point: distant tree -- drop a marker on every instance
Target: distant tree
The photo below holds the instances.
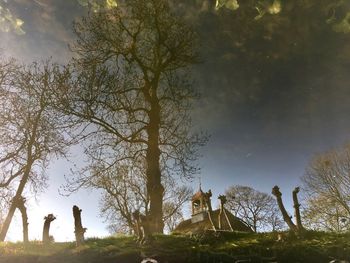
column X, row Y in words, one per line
column 125, row 192
column 325, row 215
column 274, row 221
column 327, row 185
column 258, row 210
column 175, row 197
column 173, row 213
column 29, row 132
column 129, row 88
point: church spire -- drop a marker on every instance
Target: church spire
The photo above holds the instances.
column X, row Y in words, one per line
column 200, row 182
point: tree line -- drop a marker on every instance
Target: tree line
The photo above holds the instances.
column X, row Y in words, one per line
column 325, row 191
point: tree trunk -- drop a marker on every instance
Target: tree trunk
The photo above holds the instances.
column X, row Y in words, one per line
column 7, row 221
column 154, row 186
column 276, row 192
column 46, row 230
column 255, row 225
column 13, row 206
column 21, row 207
column 297, row 208
column 78, row 228
column 137, row 225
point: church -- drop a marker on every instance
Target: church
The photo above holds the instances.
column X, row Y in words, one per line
column 204, row 218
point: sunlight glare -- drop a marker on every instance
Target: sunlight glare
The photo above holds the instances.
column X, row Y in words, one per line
column 111, row 4
column 229, row 4
column 96, row 5
column 275, row 8
column 8, row 22
column 344, row 25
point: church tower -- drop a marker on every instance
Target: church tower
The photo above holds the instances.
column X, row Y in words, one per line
column 201, row 205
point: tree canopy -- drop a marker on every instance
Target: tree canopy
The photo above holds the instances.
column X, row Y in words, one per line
column 327, row 183
column 129, row 90
column 31, row 132
column 257, row 209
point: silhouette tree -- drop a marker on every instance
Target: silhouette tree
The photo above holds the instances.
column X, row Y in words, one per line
column 125, row 192
column 327, row 183
column 129, row 90
column 321, row 214
column 30, row 132
column 253, row 207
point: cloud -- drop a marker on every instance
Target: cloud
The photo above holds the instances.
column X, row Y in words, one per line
column 48, row 27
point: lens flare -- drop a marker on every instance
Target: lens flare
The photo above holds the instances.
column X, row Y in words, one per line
column 97, row 5
column 275, row 8
column 111, row 4
column 344, row 25
column 10, row 23
column 265, row 7
column 229, row 4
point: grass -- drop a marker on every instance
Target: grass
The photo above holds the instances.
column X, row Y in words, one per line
column 208, row 247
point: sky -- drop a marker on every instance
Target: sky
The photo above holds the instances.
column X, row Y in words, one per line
column 274, row 92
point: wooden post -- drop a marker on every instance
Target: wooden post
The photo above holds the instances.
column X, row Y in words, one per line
column 78, row 228
column 207, row 201
column 46, row 230
column 223, row 201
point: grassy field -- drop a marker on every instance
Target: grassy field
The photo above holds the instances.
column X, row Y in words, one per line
column 209, row 247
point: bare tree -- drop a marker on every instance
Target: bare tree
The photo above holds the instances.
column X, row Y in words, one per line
column 172, row 216
column 125, row 192
column 129, row 88
column 322, row 214
column 327, row 186
column 174, row 198
column 29, row 132
column 274, row 220
column 255, row 208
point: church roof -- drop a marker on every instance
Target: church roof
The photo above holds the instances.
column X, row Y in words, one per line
column 187, row 227
column 198, row 195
